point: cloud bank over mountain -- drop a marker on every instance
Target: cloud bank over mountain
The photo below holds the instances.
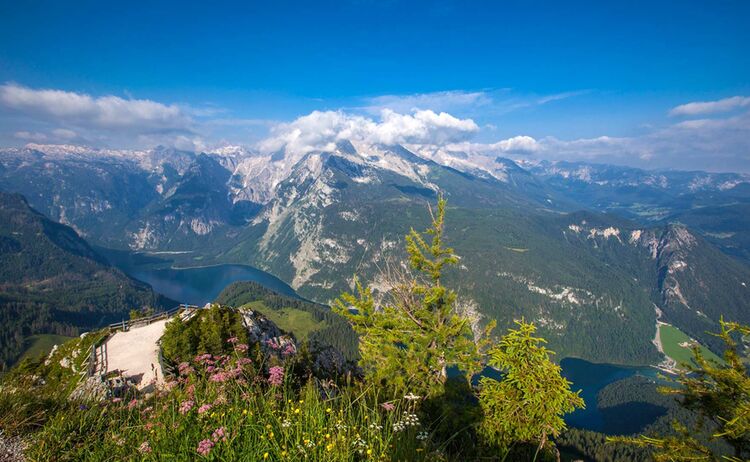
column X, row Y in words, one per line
column 709, row 135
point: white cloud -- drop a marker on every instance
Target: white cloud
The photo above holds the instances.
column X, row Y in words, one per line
column 715, row 144
column 320, row 130
column 105, row 112
column 30, row 136
column 714, row 136
column 421, row 127
column 560, row 96
column 702, row 144
column 64, row 133
column 521, row 144
column 475, row 103
column 436, row 101
column 711, row 107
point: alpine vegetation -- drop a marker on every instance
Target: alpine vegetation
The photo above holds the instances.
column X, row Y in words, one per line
column 239, row 388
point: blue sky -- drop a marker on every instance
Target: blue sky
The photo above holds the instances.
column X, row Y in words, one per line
column 560, row 71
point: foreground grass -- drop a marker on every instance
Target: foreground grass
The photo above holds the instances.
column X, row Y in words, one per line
column 243, row 423
column 219, row 408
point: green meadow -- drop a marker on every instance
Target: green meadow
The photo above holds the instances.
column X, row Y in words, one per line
column 40, row 345
column 302, row 323
column 672, row 337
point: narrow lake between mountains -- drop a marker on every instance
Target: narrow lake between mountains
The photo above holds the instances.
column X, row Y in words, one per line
column 198, row 286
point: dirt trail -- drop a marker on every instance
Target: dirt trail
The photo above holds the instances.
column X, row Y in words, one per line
column 136, row 354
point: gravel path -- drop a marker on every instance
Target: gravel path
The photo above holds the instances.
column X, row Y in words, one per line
column 136, row 354
column 11, row 449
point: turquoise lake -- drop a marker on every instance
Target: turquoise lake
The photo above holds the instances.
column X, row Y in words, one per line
column 198, row 286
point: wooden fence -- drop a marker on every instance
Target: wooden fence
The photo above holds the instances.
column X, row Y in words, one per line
column 127, row 324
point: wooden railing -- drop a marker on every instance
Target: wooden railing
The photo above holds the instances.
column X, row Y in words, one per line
column 127, row 324
column 100, row 345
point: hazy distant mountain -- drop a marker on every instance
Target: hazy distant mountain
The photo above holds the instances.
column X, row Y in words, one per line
column 714, row 204
column 51, row 281
column 317, row 218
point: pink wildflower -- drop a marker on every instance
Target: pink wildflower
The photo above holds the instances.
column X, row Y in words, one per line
column 233, row 340
column 133, row 403
column 244, row 361
column 204, row 447
column 185, row 369
column 219, row 434
column 219, row 377
column 203, row 358
column 241, row 347
column 204, row 408
column 186, row 406
column 276, row 375
column 388, row 406
column 116, row 400
column 145, row 448
column 289, row 350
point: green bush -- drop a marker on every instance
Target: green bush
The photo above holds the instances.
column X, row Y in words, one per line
column 207, row 332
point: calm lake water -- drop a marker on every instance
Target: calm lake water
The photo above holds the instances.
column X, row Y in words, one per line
column 199, row 286
column 591, row 378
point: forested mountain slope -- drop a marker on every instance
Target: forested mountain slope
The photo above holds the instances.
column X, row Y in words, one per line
column 51, row 281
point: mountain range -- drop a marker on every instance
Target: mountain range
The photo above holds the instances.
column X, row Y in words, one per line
column 592, row 253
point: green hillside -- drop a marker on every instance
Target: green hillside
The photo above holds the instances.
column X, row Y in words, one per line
column 52, row 282
column 308, row 321
column 41, row 344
